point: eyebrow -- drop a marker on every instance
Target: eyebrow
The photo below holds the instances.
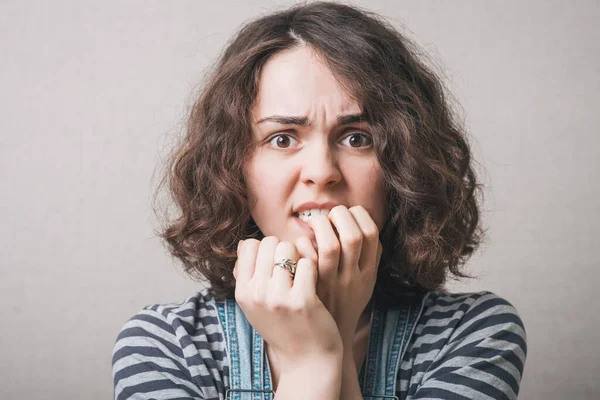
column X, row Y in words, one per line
column 304, row 121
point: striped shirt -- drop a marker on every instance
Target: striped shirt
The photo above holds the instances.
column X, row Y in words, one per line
column 465, row 346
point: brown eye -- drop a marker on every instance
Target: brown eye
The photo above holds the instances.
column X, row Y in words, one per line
column 358, row 139
column 281, row 141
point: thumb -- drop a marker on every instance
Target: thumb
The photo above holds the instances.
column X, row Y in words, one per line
column 236, row 261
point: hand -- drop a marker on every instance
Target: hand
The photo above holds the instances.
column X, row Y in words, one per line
column 287, row 313
column 347, row 266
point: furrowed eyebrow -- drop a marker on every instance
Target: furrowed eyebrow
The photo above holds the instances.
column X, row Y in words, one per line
column 280, row 119
column 351, row 118
column 304, row 121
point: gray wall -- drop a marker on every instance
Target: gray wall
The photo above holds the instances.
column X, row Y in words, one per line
column 92, row 94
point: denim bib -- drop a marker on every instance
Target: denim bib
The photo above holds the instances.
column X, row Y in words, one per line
column 250, row 374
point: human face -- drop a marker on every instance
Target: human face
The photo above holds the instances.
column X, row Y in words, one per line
column 321, row 159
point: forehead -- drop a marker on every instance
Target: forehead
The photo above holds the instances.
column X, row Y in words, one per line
column 296, row 82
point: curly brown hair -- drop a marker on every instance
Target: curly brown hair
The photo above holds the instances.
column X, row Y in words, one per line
column 433, row 224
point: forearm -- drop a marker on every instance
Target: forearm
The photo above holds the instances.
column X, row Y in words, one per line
column 350, row 389
column 318, row 380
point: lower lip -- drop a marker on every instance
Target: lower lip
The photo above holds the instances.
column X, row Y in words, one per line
column 303, row 225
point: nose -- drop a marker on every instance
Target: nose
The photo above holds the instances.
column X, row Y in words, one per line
column 320, row 166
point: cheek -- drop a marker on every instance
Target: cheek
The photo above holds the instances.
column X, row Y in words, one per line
column 266, row 183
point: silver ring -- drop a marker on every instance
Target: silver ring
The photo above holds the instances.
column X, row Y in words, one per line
column 287, row 264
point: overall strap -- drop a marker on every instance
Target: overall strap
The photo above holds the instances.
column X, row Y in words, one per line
column 250, row 376
column 390, row 334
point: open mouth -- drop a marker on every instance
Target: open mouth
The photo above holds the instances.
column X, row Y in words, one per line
column 303, row 219
column 306, row 216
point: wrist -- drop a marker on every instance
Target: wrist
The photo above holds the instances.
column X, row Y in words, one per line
column 349, row 362
column 324, row 376
column 348, row 343
column 350, row 388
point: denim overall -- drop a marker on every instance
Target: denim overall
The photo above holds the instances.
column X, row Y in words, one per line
column 250, row 374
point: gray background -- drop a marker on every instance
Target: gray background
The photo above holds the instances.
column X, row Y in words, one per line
column 92, row 95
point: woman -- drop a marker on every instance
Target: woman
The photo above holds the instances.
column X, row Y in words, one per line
column 326, row 193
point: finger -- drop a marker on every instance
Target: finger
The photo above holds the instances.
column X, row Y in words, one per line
column 371, row 251
column 306, row 249
column 240, row 243
column 351, row 237
column 305, row 281
column 328, row 246
column 246, row 260
column 264, row 261
column 281, row 280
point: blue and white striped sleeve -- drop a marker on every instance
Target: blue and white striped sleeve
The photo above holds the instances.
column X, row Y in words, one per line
column 159, row 355
column 483, row 359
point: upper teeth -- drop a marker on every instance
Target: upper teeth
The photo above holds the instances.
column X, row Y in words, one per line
column 308, row 214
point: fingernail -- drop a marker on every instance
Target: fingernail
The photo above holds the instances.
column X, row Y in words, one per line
column 240, row 245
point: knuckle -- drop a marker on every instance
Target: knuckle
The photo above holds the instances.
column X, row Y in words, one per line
column 306, row 249
column 298, row 307
column 274, row 304
column 371, row 232
column 330, row 249
column 308, row 265
column 334, row 210
column 283, row 245
column 302, row 263
column 298, row 304
column 271, row 240
column 251, row 242
column 327, row 271
column 338, row 208
column 353, row 240
column 302, row 240
column 358, row 208
column 345, row 280
column 306, row 262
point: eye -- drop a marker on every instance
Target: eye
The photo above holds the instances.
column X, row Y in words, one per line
column 282, row 141
column 356, row 139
